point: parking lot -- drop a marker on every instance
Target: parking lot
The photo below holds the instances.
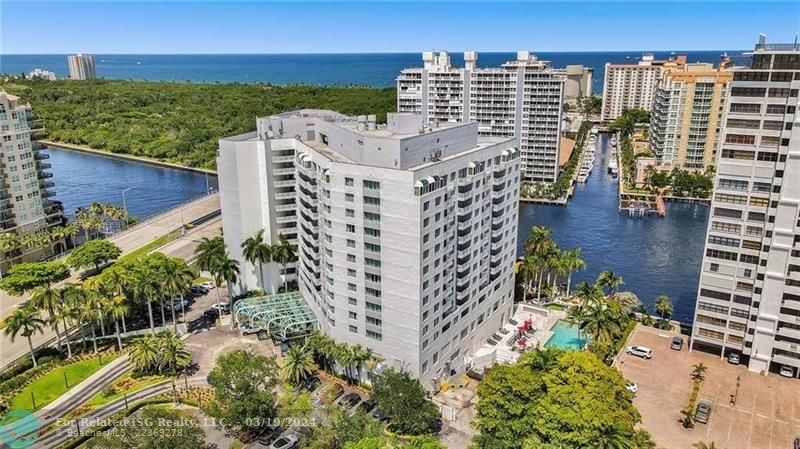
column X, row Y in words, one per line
column 766, row 414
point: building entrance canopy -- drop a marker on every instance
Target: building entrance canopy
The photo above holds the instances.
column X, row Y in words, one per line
column 283, row 314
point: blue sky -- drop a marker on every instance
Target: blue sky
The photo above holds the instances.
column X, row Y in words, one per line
column 380, row 26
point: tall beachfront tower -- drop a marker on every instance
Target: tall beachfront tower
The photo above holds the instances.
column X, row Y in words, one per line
column 687, row 113
column 81, row 67
column 522, row 99
column 629, row 86
column 406, row 232
column 24, row 183
column 749, row 295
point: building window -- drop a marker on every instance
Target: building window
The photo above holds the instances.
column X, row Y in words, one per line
column 348, row 182
column 374, row 335
column 352, row 315
column 374, row 185
column 349, row 213
column 353, row 329
column 349, row 197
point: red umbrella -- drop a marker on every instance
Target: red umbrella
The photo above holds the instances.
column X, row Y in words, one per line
column 522, row 328
column 528, row 324
column 521, row 343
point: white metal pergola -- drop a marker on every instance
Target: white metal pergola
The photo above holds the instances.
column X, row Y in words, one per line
column 281, row 314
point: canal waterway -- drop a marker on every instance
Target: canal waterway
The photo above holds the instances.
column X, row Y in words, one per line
column 654, row 255
column 82, row 178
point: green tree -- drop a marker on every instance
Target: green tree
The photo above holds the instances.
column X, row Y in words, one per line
column 144, row 353
column 609, row 281
column 664, row 307
column 24, row 277
column 257, row 252
column 564, row 399
column 297, row 365
column 173, row 355
column 573, row 262
column 243, row 385
column 93, row 254
column 24, row 321
column 152, row 428
column 208, row 251
column 224, row 269
column 399, row 395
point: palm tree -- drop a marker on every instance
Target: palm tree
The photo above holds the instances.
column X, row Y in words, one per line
column 257, row 252
column 24, row 321
column 528, row 269
column 208, row 250
column 90, row 311
column 284, row 252
column 144, row 284
column 224, row 269
column 49, row 299
column 65, row 311
column 89, row 221
column 595, row 315
column 538, row 240
column 178, row 281
column 298, row 364
column 664, row 307
column 173, row 354
column 116, row 308
column 704, row 445
column 609, row 280
column 573, row 262
column 343, row 355
column 144, row 353
column 699, row 372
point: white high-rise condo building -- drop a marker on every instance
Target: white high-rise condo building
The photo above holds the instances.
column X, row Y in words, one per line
column 629, row 86
column 749, row 296
column 24, row 204
column 522, row 98
column 81, row 67
column 406, row 232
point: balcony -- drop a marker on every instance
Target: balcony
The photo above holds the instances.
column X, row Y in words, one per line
column 48, row 194
column 47, row 184
column 45, row 175
column 44, row 165
column 41, row 156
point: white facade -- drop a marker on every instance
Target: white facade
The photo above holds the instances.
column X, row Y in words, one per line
column 522, row 98
column 42, row 74
column 81, row 67
column 628, row 86
column 406, row 233
column 24, row 207
column 749, row 295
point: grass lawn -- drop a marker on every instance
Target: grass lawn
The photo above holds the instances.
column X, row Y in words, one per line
column 125, row 384
column 144, row 249
column 555, row 307
column 49, row 387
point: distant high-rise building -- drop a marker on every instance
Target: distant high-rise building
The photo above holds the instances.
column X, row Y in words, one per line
column 81, row 67
column 24, row 204
column 749, row 295
column 578, row 82
column 629, row 86
column 406, row 233
column 522, row 99
column 687, row 113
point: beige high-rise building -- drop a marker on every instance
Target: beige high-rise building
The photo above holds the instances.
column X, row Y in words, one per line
column 24, row 204
column 81, row 67
column 629, row 86
column 687, row 112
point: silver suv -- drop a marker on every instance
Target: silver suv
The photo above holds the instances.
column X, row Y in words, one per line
column 640, row 351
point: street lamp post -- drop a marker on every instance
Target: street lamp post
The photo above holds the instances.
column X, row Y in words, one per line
column 124, row 204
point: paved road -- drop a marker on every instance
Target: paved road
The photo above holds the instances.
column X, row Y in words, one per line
column 182, row 247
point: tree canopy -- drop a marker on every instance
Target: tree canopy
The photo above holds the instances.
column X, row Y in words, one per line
column 24, row 277
column 177, row 122
column 401, row 397
column 243, row 386
column 93, row 254
column 152, row 428
column 556, row 399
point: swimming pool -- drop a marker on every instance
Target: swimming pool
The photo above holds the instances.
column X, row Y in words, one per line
column 566, row 336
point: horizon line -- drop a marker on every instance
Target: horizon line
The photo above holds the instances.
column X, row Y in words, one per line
column 369, row 52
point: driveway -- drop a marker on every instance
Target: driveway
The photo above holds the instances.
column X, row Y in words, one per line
column 766, row 413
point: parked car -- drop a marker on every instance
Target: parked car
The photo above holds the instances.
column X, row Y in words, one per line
column 199, row 289
column 223, row 306
column 270, row 434
column 733, row 358
column 787, row 371
column 310, row 384
column 349, row 400
column 378, row 415
column 211, row 313
column 247, row 329
column 703, row 412
column 677, row 343
column 640, row 351
column 287, row 441
column 178, row 304
column 632, row 387
column 208, row 285
column 367, row 405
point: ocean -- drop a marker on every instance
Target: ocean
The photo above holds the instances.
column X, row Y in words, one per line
column 371, row 69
